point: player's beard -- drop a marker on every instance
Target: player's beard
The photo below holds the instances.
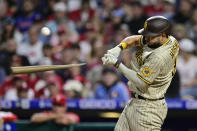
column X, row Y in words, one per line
column 154, row 45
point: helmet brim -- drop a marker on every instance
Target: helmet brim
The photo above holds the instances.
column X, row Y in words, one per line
column 147, row 33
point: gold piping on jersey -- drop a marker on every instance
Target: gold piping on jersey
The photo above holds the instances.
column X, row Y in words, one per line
column 174, row 49
column 143, row 79
column 124, row 45
column 140, row 40
column 166, row 42
column 174, row 66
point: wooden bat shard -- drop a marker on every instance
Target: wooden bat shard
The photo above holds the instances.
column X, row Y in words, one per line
column 41, row 68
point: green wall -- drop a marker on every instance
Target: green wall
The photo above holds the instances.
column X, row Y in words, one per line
column 50, row 126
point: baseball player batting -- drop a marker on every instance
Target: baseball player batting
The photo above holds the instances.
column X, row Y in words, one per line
column 149, row 74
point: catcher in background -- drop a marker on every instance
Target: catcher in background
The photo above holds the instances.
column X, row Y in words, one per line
column 149, row 74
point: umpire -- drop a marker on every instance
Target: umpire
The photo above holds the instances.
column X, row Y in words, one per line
column 149, row 74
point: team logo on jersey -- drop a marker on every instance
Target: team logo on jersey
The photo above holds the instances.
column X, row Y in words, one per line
column 145, row 25
column 146, row 71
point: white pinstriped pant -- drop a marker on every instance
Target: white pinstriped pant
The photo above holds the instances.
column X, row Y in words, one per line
column 142, row 115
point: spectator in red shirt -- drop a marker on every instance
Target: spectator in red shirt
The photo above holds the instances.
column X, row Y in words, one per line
column 16, row 87
column 53, row 88
column 48, row 85
column 155, row 8
column 83, row 14
column 58, row 114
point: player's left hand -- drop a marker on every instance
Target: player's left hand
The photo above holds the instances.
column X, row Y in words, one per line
column 109, row 59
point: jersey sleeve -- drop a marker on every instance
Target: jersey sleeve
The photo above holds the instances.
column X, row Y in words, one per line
column 150, row 69
column 142, row 41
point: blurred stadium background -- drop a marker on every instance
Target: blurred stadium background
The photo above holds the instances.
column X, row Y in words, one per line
column 81, row 31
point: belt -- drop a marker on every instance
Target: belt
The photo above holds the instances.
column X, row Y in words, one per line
column 134, row 95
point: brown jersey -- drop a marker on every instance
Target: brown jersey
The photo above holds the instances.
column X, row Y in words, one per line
column 156, row 67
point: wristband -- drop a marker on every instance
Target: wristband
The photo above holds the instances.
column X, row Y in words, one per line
column 122, row 45
column 117, row 64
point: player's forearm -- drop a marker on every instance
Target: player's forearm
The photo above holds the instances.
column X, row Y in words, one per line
column 128, row 42
column 132, row 76
column 131, row 41
column 37, row 118
column 65, row 121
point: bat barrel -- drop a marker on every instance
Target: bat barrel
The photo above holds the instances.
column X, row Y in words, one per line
column 33, row 69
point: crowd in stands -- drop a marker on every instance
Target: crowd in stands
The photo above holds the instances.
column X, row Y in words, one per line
column 82, row 31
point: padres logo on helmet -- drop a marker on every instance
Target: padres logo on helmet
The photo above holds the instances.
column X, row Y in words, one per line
column 145, row 25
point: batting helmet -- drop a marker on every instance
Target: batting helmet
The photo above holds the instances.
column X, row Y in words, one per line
column 155, row 25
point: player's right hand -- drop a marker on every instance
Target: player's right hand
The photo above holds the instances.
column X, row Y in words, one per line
column 114, row 51
column 104, row 60
column 109, row 59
